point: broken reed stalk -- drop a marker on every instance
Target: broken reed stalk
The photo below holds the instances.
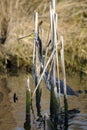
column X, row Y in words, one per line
column 37, row 67
column 56, row 54
column 57, row 59
column 20, row 38
column 54, row 101
column 63, row 65
column 53, row 3
column 27, row 124
column 64, row 79
column 54, row 62
column 53, row 37
column 35, row 36
column 54, row 107
column 50, row 41
column 57, row 68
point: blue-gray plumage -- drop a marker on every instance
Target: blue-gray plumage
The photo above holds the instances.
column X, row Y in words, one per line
column 70, row 91
column 49, row 81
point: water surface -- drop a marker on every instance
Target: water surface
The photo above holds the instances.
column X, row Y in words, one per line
column 12, row 114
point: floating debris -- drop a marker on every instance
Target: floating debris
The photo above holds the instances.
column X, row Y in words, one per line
column 15, row 98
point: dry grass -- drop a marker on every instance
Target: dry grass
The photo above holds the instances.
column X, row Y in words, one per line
column 17, row 19
column 73, row 26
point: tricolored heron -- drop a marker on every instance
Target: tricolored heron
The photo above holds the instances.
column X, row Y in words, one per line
column 48, row 81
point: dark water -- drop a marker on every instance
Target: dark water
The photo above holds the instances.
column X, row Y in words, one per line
column 12, row 114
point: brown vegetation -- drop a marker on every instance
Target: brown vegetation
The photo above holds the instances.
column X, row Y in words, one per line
column 16, row 20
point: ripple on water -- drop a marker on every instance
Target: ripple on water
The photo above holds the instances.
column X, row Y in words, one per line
column 79, row 122
column 18, row 128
